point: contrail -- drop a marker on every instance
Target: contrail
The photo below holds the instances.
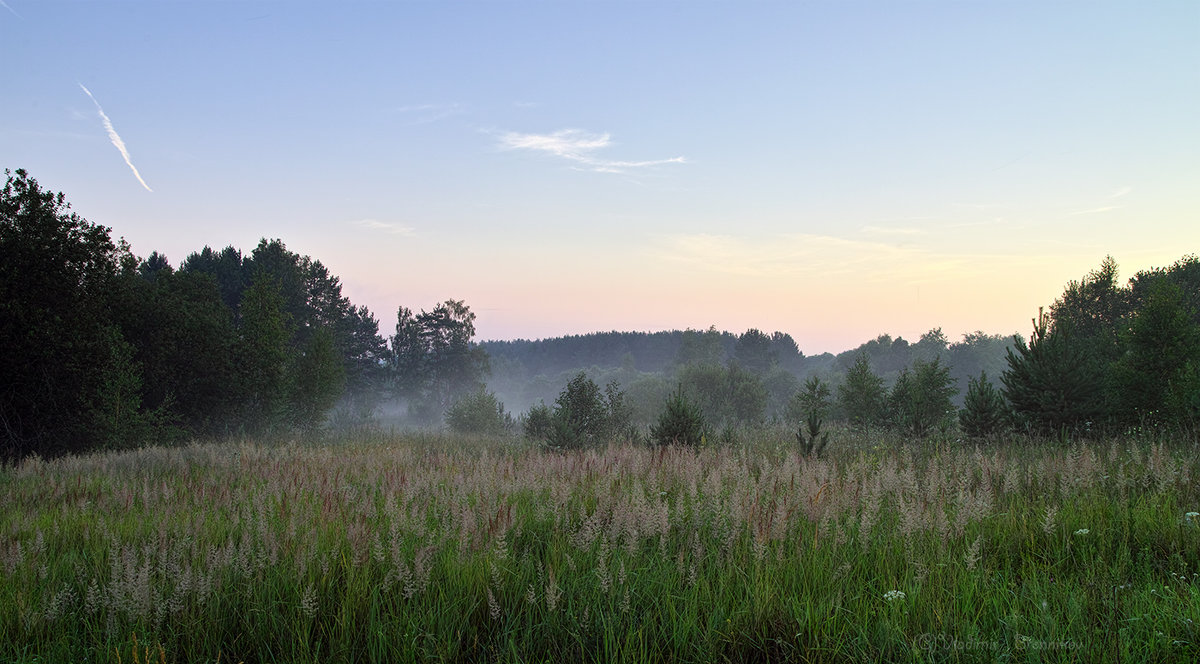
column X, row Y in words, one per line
column 5, row 5
column 116, row 140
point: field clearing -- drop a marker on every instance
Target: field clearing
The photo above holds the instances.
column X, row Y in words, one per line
column 419, row 547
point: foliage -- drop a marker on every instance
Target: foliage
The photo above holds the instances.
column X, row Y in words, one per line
column 815, row 397
column 681, row 422
column 59, row 348
column 861, row 395
column 183, row 336
column 1091, row 309
column 538, row 422
column 700, row 347
column 312, row 300
column 919, row 401
column 977, row 352
column 815, row 441
column 582, row 408
column 261, row 354
column 754, row 352
column 318, row 379
column 479, row 413
column 931, row 346
column 1162, row 342
column 103, row 350
column 433, row 359
column 781, row 386
column 812, row 404
column 583, row 415
column 114, row 406
column 729, row 396
column 984, row 413
column 1054, row 383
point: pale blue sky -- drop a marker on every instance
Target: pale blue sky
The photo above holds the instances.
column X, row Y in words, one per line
column 831, row 169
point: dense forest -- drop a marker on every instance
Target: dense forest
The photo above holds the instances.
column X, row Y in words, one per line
column 100, row 349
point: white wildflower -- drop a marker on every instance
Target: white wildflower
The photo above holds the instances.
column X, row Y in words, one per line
column 1082, row 531
column 894, row 595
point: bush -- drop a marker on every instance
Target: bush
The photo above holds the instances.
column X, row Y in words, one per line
column 582, row 415
column 984, row 413
column 681, row 423
column 812, row 404
column 861, row 395
column 730, row 396
column 479, row 413
column 1054, row 383
column 920, row 399
column 538, row 422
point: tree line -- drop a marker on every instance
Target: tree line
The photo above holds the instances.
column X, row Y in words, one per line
column 102, row 349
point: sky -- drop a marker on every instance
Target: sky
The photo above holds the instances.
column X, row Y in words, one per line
column 832, row 169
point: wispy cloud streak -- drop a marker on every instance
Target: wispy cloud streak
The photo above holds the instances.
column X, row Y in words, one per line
column 385, row 227
column 115, row 138
column 10, row 9
column 577, row 145
column 1099, row 210
column 427, row 113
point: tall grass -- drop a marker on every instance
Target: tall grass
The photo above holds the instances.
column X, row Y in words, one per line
column 414, row 548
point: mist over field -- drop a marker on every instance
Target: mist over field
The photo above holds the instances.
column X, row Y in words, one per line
column 599, row 331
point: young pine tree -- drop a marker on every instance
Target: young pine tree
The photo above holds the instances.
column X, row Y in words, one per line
column 920, row 399
column 813, row 404
column 681, row 422
column 1054, row 383
column 984, row 413
column 862, row 396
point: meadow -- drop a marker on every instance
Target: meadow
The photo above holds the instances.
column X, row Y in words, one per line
column 422, row 547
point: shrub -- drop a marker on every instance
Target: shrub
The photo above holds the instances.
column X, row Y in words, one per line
column 861, row 395
column 479, row 413
column 984, row 414
column 813, row 402
column 730, row 396
column 538, row 422
column 1054, row 383
column 681, row 422
column 582, row 415
column 920, row 399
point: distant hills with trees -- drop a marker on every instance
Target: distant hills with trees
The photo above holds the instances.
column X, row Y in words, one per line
column 100, row 350
column 648, row 363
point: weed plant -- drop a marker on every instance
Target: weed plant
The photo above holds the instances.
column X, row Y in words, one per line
column 427, row 548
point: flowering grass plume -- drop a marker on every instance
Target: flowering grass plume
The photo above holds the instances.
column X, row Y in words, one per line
column 394, row 548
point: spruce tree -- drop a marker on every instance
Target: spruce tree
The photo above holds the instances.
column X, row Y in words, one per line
column 983, row 414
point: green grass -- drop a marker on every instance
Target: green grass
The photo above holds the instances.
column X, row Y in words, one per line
column 415, row 547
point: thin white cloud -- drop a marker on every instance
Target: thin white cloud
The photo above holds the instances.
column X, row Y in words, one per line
column 985, row 222
column 385, row 227
column 577, row 145
column 892, row 230
column 427, row 113
column 10, row 9
column 1121, row 192
column 1099, row 210
column 116, row 139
